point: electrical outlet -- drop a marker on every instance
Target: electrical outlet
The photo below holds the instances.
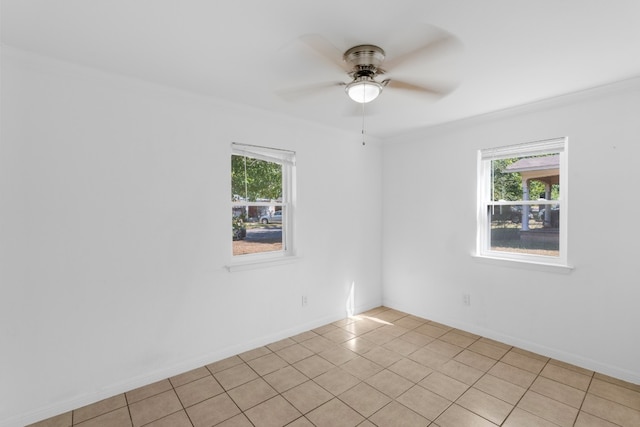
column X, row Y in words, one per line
column 304, row 300
column 466, row 299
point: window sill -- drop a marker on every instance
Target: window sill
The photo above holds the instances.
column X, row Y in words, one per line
column 253, row 264
column 530, row 265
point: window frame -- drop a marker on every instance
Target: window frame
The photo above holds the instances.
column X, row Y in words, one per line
column 484, row 200
column 287, row 159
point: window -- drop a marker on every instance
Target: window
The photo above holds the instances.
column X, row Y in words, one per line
column 522, row 202
column 262, row 198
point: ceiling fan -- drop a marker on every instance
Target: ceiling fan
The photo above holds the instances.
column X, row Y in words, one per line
column 364, row 65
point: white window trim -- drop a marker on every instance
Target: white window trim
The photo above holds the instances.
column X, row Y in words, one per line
column 483, row 251
column 267, row 259
column 252, row 263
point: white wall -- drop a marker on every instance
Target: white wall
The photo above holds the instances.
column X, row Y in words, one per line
column 589, row 316
column 114, row 201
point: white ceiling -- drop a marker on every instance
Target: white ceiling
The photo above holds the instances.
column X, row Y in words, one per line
column 513, row 51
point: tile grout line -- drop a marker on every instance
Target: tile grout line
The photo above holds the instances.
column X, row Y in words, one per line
column 442, row 373
column 367, row 418
column 584, row 398
column 126, row 400
column 474, row 383
column 525, row 392
column 417, row 383
column 179, row 400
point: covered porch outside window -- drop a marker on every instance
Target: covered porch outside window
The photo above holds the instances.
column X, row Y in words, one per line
column 547, row 171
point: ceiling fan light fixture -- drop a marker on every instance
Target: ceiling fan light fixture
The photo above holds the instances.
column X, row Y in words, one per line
column 363, row 89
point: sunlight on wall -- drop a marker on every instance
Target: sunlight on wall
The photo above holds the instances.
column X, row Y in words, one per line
column 351, row 300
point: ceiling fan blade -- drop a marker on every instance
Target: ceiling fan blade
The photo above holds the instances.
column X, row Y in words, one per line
column 295, row 93
column 434, row 90
column 442, row 45
column 325, row 50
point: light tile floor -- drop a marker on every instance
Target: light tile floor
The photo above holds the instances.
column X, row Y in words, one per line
column 380, row 368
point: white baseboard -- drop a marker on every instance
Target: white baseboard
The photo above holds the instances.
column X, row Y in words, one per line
column 571, row 358
column 150, row 377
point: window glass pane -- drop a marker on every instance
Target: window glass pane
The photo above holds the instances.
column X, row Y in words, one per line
column 520, row 201
column 257, row 233
column 541, row 173
column 505, row 185
column 255, row 180
column 238, row 221
column 263, row 202
column 525, row 229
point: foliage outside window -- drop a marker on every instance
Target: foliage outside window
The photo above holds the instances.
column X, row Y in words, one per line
column 261, row 200
column 522, row 202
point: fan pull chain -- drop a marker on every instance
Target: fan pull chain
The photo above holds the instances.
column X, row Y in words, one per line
column 363, row 143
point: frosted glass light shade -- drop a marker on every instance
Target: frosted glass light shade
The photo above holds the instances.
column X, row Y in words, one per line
column 363, row 90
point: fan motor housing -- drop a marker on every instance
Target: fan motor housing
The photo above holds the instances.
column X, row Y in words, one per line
column 365, row 59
